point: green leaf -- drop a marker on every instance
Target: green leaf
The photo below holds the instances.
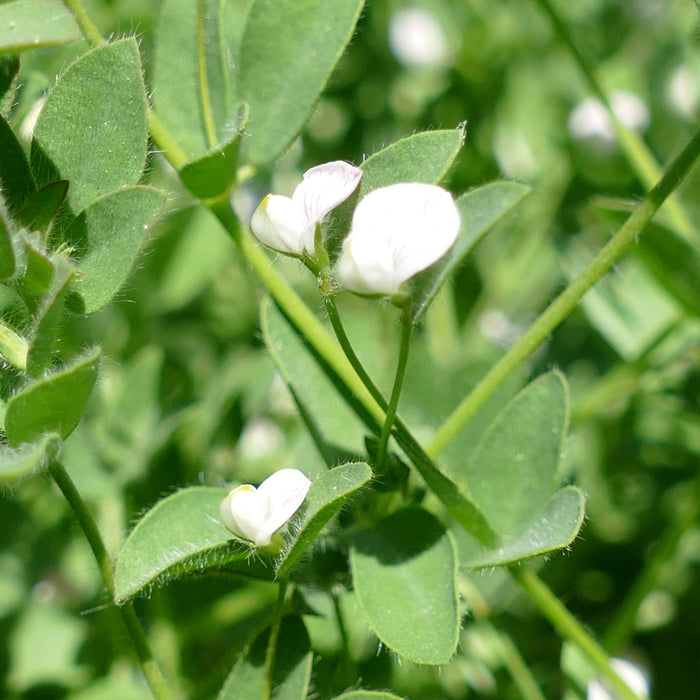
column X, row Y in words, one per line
column 181, row 534
column 514, row 468
column 288, row 51
column 553, row 528
column 291, row 672
column 29, row 24
column 674, row 263
column 367, row 695
column 16, row 180
column 92, row 129
column 39, row 211
column 38, row 274
column 108, row 237
column 213, row 174
column 53, row 404
column 9, row 67
column 48, row 323
column 481, row 209
column 404, row 573
column 178, row 89
column 7, row 253
column 328, row 493
column 15, row 464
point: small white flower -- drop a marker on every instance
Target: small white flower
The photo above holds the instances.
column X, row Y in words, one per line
column 288, row 224
column 396, row 232
column 590, row 118
column 256, row 514
column 629, row 673
column 416, row 38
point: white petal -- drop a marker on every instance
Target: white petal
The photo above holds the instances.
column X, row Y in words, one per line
column 243, row 511
column 629, row 673
column 325, row 187
column 396, row 232
column 280, row 223
column 283, row 493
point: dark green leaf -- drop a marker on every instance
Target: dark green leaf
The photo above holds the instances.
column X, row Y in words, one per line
column 53, row 404
column 181, row 534
column 42, row 206
column 29, row 24
column 213, row 174
column 38, row 273
column 9, row 67
column 291, row 672
column 328, row 493
column 514, row 468
column 367, row 695
column 405, row 576
column 481, row 209
column 92, row 129
column 16, row 181
column 287, row 54
column 107, row 238
column 7, row 253
column 18, row 463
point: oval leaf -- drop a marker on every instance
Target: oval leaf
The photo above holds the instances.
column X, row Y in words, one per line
column 92, row 128
column 15, row 464
column 519, row 455
column 52, row 404
column 326, row 496
column 28, row 24
column 287, row 53
column 404, row 572
column 291, row 672
column 180, row 534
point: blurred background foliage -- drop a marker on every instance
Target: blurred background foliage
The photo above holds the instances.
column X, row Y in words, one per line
column 188, row 394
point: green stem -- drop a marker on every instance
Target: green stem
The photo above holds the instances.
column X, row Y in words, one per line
column 638, row 155
column 13, row 347
column 566, row 624
column 161, row 136
column 406, row 334
column 565, row 303
column 204, row 92
column 271, row 650
column 149, row 666
column 87, row 27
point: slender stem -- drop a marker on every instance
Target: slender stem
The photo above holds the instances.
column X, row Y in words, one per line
column 565, row 303
column 569, row 627
column 204, row 92
column 271, row 650
column 149, row 666
column 639, row 156
column 87, row 27
column 162, row 137
column 518, row 669
column 406, row 334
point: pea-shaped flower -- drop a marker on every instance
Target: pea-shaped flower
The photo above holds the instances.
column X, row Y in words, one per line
column 288, row 224
column 256, row 514
column 396, row 232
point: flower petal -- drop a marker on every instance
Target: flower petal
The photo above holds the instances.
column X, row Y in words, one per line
column 283, row 492
column 243, row 511
column 325, row 187
column 280, row 223
column 396, row 232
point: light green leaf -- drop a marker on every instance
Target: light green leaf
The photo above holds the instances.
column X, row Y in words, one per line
column 481, row 209
column 328, row 493
column 554, row 527
column 288, row 51
column 53, row 404
column 213, row 174
column 179, row 535
column 38, row 273
column 292, row 669
column 92, row 129
column 514, row 468
column 404, row 573
column 108, row 236
column 29, row 24
column 179, row 93
column 16, row 180
column 15, row 464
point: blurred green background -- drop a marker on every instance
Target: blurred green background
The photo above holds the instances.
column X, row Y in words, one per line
column 187, row 393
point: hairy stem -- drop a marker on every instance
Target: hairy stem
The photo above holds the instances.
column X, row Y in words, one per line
column 271, row 650
column 87, row 27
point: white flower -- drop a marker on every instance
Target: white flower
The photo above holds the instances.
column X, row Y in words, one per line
column 629, row 673
column 256, row 514
column 591, row 119
column 288, row 224
column 416, row 38
column 396, row 232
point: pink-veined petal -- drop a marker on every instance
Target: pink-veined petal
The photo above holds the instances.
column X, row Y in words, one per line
column 326, row 186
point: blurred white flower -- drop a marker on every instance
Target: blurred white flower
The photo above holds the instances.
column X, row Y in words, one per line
column 288, row 224
column 256, row 514
column 683, row 91
column 629, row 673
column 396, row 232
column 416, row 38
column 591, row 119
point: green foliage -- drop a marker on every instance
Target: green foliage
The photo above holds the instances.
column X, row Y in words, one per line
column 30, row 24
